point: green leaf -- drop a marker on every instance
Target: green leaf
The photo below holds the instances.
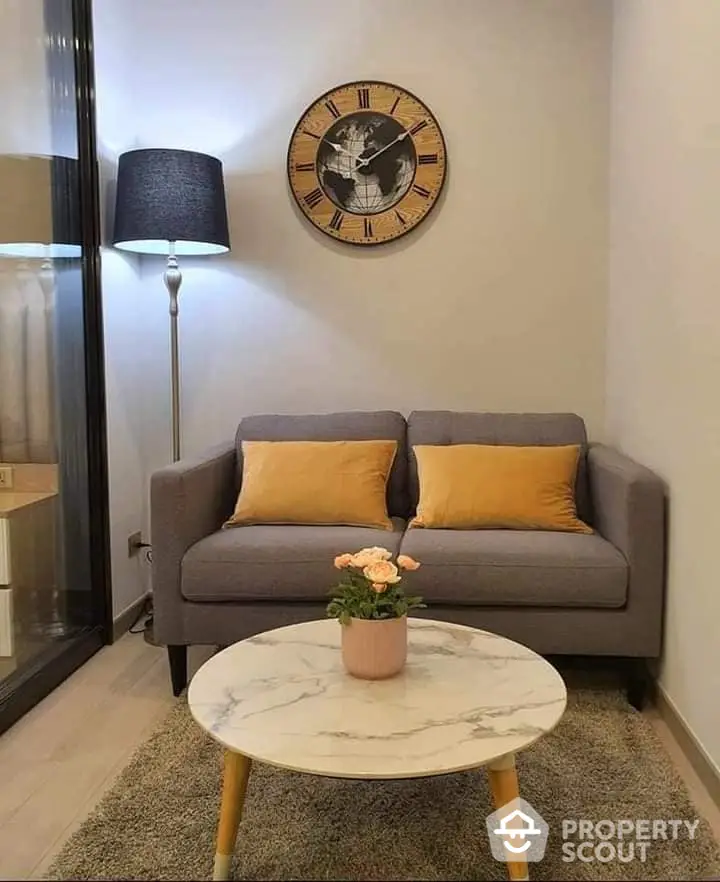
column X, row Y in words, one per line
column 354, row 597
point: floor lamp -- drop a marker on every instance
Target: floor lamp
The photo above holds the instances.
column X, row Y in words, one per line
column 171, row 202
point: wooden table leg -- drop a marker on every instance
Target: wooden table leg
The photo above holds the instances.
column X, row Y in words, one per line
column 235, row 781
column 504, row 787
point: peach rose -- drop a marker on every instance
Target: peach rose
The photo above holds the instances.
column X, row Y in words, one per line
column 379, row 587
column 406, row 562
column 376, row 552
column 367, row 556
column 342, row 561
column 382, row 572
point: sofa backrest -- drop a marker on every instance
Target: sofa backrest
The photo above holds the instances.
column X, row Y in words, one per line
column 537, row 429
column 353, row 426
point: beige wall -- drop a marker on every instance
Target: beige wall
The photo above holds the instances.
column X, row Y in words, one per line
column 663, row 392
column 24, row 83
column 27, row 431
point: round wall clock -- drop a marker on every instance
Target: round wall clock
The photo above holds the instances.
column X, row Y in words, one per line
column 366, row 162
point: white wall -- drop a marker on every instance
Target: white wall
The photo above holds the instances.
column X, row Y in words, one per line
column 127, row 338
column 496, row 302
column 664, row 314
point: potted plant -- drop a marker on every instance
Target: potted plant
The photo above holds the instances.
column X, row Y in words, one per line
column 372, row 609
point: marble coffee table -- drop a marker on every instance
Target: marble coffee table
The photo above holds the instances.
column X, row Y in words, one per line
column 466, row 698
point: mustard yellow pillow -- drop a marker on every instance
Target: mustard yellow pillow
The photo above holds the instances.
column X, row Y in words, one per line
column 315, row 482
column 474, row 486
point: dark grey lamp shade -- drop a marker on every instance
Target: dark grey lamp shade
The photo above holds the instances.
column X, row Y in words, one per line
column 39, row 206
column 170, row 196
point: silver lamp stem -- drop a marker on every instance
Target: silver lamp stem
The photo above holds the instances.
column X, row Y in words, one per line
column 173, row 280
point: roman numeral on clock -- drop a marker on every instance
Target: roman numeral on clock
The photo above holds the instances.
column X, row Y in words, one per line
column 312, row 134
column 363, row 99
column 313, row 198
column 336, row 221
column 368, row 227
column 304, row 166
column 427, row 159
column 395, row 104
column 421, row 191
column 400, row 218
column 418, row 127
column 332, row 109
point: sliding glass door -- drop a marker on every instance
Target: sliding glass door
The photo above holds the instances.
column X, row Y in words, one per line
column 54, row 585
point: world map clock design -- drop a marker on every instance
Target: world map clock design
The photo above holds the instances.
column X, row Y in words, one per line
column 366, row 162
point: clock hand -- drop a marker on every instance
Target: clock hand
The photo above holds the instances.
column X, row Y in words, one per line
column 369, row 159
column 338, row 148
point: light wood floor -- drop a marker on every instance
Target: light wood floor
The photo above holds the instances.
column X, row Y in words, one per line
column 56, row 763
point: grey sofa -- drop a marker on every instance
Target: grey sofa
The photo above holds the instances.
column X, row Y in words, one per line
column 559, row 593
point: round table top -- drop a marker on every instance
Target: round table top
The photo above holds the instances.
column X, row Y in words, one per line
column 465, row 698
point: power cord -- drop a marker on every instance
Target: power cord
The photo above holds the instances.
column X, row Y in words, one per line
column 147, row 546
column 146, row 611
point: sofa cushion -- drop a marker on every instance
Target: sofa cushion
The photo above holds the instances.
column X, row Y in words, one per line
column 352, row 426
column 453, row 427
column 315, row 482
column 516, row 568
column 275, row 562
column 497, row 486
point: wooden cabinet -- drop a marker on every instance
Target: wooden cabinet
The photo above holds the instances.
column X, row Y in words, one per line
column 28, row 570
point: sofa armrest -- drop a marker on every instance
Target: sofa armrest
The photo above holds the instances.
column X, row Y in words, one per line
column 629, row 511
column 188, row 501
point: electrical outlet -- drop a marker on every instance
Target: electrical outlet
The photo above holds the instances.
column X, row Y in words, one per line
column 6, row 477
column 134, row 543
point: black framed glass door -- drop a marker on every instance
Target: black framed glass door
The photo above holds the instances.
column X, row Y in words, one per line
column 54, row 578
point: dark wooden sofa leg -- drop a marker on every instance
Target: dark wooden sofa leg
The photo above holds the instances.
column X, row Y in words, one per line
column 177, row 656
column 637, row 682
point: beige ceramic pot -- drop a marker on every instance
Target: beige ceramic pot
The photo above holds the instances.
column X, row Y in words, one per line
column 374, row 649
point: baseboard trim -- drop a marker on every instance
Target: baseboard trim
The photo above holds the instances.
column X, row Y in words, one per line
column 697, row 756
column 123, row 622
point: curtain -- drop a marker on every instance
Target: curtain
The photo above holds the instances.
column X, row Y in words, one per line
column 27, row 418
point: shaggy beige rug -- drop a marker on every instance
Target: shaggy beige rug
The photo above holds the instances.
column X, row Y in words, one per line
column 603, row 762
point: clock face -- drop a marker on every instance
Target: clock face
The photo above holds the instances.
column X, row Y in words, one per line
column 366, row 162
